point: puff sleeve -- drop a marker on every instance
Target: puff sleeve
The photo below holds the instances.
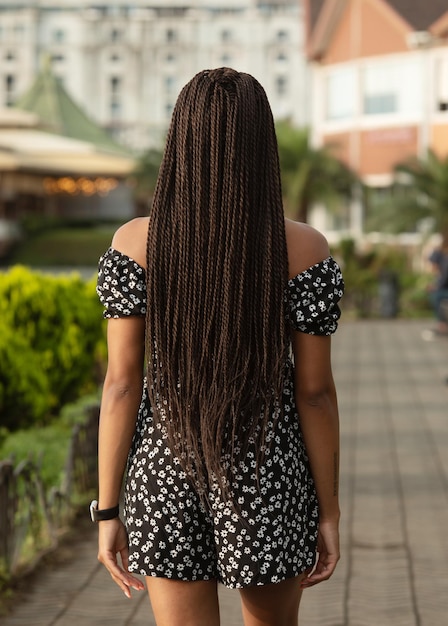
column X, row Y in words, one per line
column 312, row 299
column 121, row 285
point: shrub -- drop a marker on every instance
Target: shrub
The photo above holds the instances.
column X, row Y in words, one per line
column 25, row 394
column 363, row 271
column 51, row 340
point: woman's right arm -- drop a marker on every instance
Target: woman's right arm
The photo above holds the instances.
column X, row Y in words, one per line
column 121, row 397
column 120, row 402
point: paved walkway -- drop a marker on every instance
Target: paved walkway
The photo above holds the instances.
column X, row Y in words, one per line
column 394, row 484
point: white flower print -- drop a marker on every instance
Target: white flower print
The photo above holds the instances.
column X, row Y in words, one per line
column 171, row 533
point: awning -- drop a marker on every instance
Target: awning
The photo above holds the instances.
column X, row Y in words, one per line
column 8, row 162
column 77, row 165
column 31, row 150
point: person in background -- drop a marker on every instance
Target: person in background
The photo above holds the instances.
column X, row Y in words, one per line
column 439, row 292
column 229, row 444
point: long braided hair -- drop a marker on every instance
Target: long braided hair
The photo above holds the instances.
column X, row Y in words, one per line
column 216, row 273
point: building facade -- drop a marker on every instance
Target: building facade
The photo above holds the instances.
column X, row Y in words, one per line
column 125, row 62
column 380, row 84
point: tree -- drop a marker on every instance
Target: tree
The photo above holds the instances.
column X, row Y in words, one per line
column 145, row 178
column 419, row 194
column 310, row 175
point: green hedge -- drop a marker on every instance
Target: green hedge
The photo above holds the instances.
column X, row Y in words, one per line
column 68, row 246
column 362, row 271
column 51, row 344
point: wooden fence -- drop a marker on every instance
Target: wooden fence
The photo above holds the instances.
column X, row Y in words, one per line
column 30, row 518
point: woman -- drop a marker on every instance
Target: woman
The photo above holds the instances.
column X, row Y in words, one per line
column 224, row 481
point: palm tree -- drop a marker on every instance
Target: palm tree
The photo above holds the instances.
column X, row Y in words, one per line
column 419, row 194
column 310, row 175
column 144, row 180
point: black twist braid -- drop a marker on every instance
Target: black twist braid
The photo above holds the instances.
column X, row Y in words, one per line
column 217, row 271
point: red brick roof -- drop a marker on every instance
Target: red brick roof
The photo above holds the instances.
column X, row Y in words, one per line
column 419, row 13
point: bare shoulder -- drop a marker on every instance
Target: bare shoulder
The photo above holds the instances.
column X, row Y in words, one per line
column 131, row 239
column 306, row 246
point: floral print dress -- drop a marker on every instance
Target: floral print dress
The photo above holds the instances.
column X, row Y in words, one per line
column 273, row 535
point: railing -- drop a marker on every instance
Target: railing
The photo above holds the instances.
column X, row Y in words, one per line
column 30, row 518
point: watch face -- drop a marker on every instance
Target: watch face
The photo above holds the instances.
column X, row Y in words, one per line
column 93, row 510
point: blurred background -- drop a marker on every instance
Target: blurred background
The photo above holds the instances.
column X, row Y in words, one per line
column 359, row 93
column 87, row 90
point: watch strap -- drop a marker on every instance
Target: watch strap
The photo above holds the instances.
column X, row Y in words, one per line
column 100, row 515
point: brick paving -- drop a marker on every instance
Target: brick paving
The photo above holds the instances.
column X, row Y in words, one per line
column 394, row 494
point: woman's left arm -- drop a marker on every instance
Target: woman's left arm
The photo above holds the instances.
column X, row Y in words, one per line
column 318, row 410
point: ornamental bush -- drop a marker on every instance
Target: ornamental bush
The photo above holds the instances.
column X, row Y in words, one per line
column 51, row 344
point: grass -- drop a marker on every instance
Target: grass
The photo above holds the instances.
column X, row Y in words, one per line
column 46, row 446
column 73, row 247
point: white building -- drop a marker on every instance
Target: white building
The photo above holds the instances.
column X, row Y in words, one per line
column 125, row 62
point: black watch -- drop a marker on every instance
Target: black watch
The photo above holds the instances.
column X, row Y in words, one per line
column 103, row 514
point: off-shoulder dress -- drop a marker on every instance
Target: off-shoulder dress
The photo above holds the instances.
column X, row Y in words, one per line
column 171, row 533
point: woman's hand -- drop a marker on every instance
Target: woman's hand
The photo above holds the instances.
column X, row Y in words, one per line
column 113, row 539
column 328, row 554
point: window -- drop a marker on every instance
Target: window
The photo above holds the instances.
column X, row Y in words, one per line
column 58, row 58
column 170, row 58
column 116, row 35
column 115, row 108
column 58, row 35
column 113, row 11
column 380, row 92
column 10, row 81
column 19, row 32
column 171, row 35
column 114, row 58
column 341, row 94
column 168, row 109
column 10, row 56
column 10, row 84
column 380, row 103
column 392, row 88
column 441, row 83
column 282, row 35
column 338, row 218
column 115, row 84
column 281, row 85
column 226, row 35
column 226, row 59
column 170, row 84
column 115, row 101
column 281, row 56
